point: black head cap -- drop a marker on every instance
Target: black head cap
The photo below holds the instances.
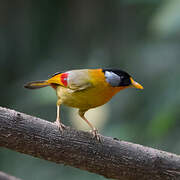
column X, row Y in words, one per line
column 116, row 77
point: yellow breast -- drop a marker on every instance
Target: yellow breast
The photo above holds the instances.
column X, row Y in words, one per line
column 98, row 94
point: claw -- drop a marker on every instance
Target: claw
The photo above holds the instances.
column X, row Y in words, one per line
column 60, row 125
column 96, row 135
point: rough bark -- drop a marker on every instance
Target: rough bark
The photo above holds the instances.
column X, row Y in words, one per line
column 4, row 176
column 111, row 158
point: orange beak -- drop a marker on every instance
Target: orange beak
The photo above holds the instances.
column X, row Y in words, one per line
column 135, row 84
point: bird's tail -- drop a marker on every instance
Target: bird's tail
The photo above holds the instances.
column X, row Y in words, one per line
column 36, row 84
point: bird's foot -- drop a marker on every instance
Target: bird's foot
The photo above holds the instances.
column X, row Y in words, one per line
column 60, row 125
column 96, row 135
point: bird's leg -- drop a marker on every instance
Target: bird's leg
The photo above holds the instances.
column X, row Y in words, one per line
column 94, row 130
column 58, row 121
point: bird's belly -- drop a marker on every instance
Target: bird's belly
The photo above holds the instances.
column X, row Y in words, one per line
column 84, row 99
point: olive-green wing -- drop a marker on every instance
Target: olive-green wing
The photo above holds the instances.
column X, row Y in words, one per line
column 78, row 79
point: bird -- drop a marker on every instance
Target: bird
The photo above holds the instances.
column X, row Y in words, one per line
column 85, row 89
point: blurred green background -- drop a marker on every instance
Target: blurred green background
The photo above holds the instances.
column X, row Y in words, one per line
column 39, row 38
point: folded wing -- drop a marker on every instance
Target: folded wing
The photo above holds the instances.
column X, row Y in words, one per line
column 75, row 80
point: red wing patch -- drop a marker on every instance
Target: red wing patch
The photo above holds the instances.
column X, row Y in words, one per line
column 63, row 79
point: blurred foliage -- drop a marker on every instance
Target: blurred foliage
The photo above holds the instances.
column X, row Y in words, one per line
column 38, row 38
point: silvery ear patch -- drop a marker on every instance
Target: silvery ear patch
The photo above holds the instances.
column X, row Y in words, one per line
column 112, row 78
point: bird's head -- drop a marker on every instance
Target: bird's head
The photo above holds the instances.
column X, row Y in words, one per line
column 119, row 78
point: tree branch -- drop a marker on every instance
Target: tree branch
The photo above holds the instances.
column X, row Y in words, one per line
column 111, row 158
column 4, row 176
